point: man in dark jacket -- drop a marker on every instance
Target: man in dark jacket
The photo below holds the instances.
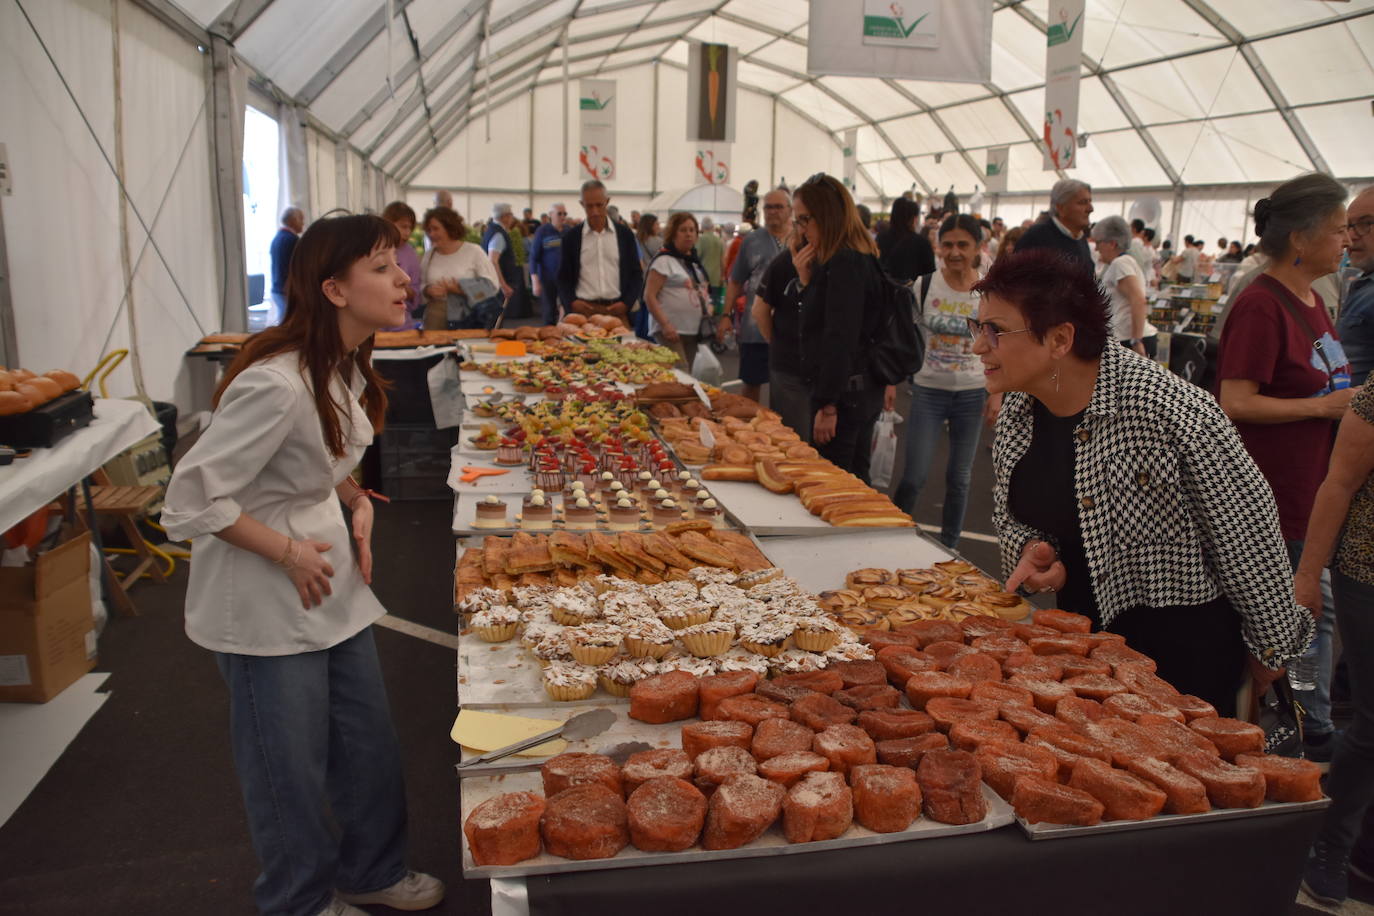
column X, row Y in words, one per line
column 545, row 255
column 599, row 273
column 1066, row 231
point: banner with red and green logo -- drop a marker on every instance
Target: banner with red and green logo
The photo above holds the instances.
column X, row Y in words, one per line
column 940, row 40
column 1063, row 64
column 596, row 111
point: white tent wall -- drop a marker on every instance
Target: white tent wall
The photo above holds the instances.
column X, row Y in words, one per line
column 65, row 206
column 480, row 172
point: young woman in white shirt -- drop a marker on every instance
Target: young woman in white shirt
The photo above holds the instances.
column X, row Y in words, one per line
column 279, row 585
column 948, row 392
column 676, row 289
column 449, row 260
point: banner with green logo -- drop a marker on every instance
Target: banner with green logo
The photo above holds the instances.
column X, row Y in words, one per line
column 596, row 107
column 998, row 158
column 1063, row 64
column 937, row 40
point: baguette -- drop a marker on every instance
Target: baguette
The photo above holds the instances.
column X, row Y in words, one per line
column 771, row 477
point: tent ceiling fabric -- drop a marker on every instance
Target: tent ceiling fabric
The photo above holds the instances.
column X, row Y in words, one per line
column 1174, row 91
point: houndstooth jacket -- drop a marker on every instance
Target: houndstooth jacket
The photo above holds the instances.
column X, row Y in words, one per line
column 1172, row 508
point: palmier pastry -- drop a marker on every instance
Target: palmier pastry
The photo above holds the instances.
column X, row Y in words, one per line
column 885, row 597
column 862, row 578
column 962, row 610
column 841, row 600
column 977, row 583
column 860, row 619
column 918, row 580
column 955, row 568
column 1007, row 605
column 942, row 596
column 906, row 612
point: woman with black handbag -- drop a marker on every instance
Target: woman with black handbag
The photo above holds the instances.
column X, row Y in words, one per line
column 837, row 268
column 676, row 291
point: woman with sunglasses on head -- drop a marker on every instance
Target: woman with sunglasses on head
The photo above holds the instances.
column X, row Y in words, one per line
column 279, row 587
column 837, row 268
column 1126, row 490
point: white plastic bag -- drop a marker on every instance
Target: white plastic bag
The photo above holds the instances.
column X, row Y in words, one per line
column 884, row 449
column 705, row 367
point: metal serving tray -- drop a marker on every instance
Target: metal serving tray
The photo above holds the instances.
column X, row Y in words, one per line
column 1063, row 831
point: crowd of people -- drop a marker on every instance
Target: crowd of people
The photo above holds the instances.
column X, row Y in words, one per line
column 1242, row 517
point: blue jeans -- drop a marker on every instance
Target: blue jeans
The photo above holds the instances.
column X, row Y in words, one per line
column 1351, row 782
column 1317, row 702
column 312, row 737
column 931, row 409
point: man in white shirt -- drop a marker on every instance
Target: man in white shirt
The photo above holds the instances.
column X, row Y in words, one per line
column 599, row 273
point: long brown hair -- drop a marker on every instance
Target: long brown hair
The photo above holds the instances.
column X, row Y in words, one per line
column 327, row 249
column 832, row 208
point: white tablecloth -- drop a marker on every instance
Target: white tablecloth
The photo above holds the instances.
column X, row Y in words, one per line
column 29, row 483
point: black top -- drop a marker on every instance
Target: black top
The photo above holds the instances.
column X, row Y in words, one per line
column 839, row 316
column 906, row 257
column 1043, row 495
column 1047, row 235
column 778, row 287
column 283, row 244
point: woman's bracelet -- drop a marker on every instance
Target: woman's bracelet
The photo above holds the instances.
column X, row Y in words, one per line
column 289, row 557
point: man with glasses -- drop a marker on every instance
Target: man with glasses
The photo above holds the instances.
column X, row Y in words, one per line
column 756, row 252
column 599, row 273
column 544, row 261
column 1356, row 324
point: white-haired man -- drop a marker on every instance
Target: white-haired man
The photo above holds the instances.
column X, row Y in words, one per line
column 1066, row 231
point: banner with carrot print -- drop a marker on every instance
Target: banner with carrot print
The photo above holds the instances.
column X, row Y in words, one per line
column 711, row 93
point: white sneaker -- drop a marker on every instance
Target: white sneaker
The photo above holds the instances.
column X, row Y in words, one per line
column 416, row 891
column 338, row 908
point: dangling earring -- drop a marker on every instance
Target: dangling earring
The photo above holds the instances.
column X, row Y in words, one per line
column 1298, row 261
column 1054, row 377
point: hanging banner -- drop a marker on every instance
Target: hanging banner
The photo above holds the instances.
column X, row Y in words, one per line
column 711, row 93
column 941, row 40
column 711, row 164
column 997, row 169
column 851, row 157
column 596, row 109
column 1063, row 64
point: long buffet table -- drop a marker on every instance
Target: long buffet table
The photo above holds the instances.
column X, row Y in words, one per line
column 1238, row 865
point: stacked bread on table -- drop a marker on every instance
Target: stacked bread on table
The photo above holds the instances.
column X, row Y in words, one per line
column 22, row 390
column 748, row 443
column 884, row 599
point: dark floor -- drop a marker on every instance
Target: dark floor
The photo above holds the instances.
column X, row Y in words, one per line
column 141, row 815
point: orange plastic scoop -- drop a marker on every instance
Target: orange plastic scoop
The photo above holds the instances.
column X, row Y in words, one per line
column 510, row 348
column 471, row 474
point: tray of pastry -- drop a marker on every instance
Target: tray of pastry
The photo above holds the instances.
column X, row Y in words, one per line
column 1048, row 831
column 772, row 841
column 821, row 561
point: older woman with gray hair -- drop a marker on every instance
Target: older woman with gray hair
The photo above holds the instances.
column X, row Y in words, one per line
column 1124, row 285
column 1066, row 230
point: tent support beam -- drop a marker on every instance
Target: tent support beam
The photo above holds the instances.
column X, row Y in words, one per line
column 1271, row 88
column 171, row 15
column 228, row 189
column 236, row 17
column 9, row 338
column 347, row 53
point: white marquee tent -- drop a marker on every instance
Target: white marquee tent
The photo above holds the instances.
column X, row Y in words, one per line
column 1203, row 104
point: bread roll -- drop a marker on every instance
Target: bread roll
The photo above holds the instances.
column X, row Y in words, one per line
column 13, row 402
column 575, row 319
column 21, row 375
column 64, row 379
column 6, row 380
column 35, row 395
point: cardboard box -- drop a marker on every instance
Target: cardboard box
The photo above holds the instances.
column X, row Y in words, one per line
column 47, row 634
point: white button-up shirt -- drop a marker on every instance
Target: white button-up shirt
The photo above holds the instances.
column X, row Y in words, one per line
column 264, row 455
column 599, row 276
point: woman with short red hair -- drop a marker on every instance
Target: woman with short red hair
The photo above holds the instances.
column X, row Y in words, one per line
column 1126, row 490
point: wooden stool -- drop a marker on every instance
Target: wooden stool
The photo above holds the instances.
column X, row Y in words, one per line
column 126, row 505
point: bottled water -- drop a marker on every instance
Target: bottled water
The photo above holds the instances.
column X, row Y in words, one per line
column 1303, row 670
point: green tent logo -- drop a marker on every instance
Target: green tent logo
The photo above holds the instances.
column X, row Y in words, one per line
column 892, row 25
column 1060, row 32
column 594, row 103
column 994, row 169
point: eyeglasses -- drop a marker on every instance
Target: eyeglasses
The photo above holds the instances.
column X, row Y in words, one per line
column 1360, row 227
column 802, row 220
column 989, row 331
column 775, row 206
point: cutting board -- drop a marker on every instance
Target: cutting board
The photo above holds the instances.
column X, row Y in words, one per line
column 487, row 731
